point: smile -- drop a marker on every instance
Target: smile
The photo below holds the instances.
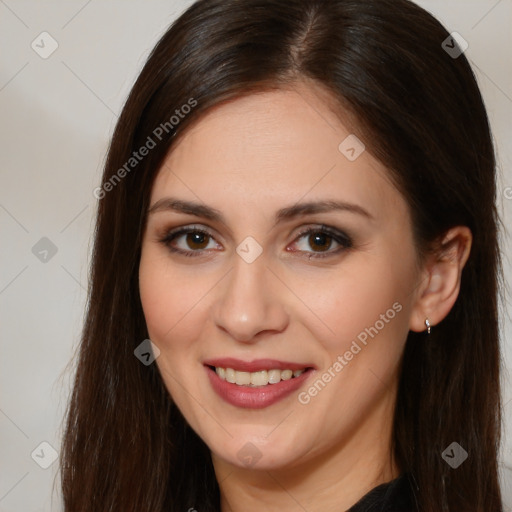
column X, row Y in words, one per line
column 261, row 378
column 256, row 384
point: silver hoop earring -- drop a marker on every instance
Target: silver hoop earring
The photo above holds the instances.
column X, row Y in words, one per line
column 427, row 323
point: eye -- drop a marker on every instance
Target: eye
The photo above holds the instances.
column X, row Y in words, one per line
column 193, row 241
column 189, row 241
column 322, row 240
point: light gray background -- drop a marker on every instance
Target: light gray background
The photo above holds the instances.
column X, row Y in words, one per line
column 56, row 117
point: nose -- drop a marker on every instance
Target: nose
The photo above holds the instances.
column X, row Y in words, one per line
column 248, row 302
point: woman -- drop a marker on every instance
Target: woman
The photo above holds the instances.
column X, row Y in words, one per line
column 298, row 211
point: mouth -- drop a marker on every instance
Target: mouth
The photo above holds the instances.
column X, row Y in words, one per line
column 256, row 379
column 256, row 384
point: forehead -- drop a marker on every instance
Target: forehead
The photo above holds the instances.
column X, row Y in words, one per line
column 270, row 149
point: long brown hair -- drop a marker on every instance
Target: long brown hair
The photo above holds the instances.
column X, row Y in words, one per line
column 126, row 446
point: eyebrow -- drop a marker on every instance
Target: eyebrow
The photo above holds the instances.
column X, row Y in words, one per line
column 288, row 213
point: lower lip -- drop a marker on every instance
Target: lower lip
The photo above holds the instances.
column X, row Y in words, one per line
column 255, row 397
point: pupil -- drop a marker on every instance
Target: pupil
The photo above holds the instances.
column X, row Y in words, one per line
column 321, row 240
column 197, row 239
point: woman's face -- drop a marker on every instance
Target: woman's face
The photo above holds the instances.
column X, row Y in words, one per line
column 304, row 261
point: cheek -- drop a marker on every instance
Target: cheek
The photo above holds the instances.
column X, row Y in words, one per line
column 365, row 294
column 365, row 309
column 175, row 313
column 171, row 300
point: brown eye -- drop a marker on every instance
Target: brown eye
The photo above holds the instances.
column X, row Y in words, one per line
column 189, row 241
column 320, row 241
column 196, row 240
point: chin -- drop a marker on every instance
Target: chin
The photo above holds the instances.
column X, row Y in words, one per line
column 246, row 450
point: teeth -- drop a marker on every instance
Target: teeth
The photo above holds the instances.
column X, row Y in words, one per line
column 242, row 378
column 274, row 376
column 286, row 374
column 230, row 375
column 261, row 378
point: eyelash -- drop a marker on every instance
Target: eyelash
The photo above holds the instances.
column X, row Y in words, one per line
column 339, row 237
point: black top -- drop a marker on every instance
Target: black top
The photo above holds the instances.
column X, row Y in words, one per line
column 394, row 496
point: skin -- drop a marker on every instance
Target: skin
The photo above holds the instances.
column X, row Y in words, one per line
column 248, row 158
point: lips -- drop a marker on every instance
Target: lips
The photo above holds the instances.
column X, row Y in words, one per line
column 255, row 384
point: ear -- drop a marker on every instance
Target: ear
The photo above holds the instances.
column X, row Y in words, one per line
column 440, row 279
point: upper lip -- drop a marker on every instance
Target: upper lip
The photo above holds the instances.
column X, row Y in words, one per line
column 255, row 365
